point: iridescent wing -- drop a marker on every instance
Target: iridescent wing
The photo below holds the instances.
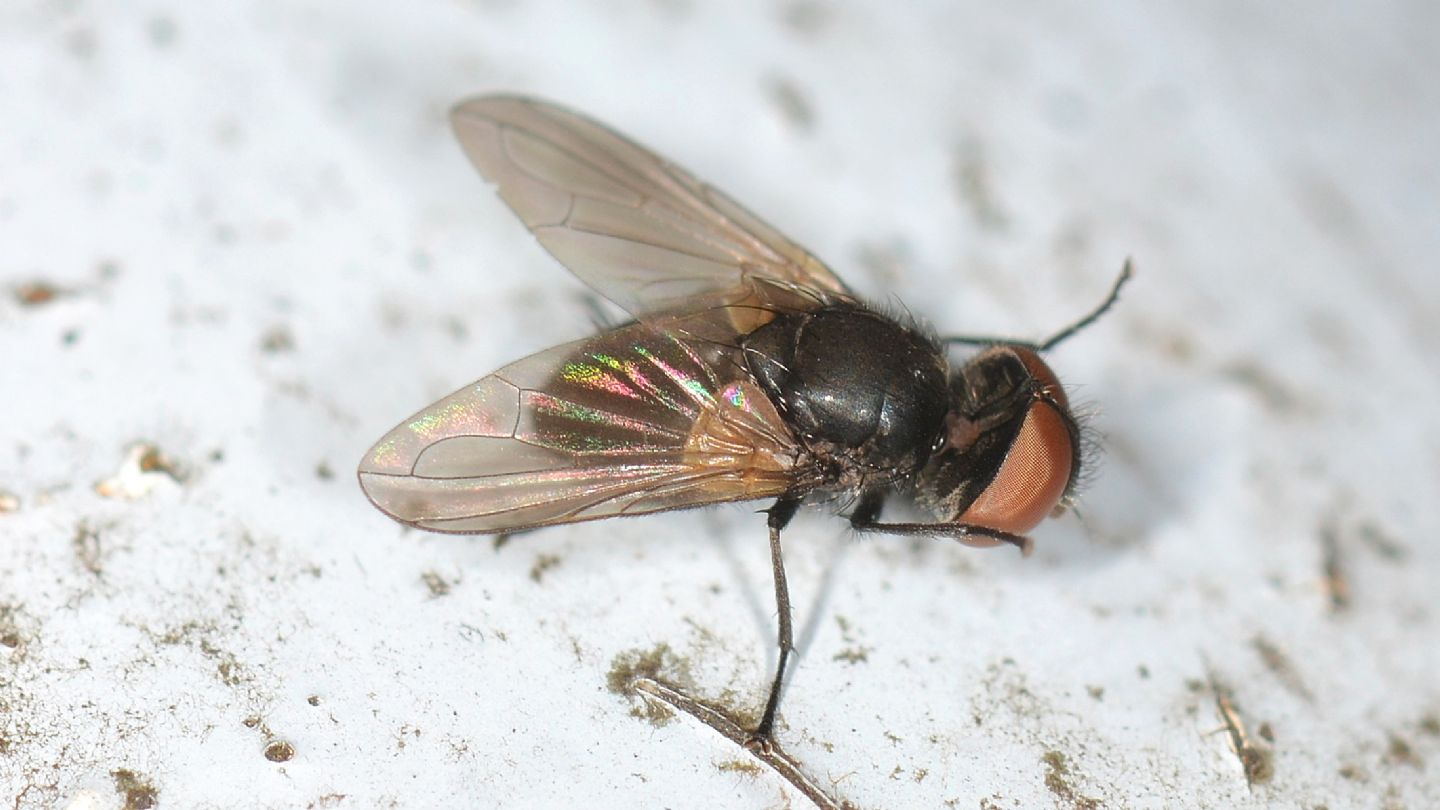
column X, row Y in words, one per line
column 639, row 230
column 630, row 421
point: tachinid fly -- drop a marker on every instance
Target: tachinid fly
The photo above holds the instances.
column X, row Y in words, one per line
column 750, row 371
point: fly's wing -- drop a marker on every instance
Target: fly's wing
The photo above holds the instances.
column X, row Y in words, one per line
column 630, row 421
column 639, row 230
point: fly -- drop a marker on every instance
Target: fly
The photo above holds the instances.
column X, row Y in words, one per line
column 751, row 371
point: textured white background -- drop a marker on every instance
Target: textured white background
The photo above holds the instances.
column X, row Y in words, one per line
column 271, row 251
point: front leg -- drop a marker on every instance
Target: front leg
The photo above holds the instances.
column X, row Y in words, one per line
column 866, row 518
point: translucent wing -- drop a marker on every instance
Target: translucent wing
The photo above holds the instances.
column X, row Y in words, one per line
column 630, row 421
column 640, row 231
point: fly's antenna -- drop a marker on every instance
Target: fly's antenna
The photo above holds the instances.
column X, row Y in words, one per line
column 1125, row 273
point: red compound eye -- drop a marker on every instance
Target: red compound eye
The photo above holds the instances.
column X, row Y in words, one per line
column 1037, row 470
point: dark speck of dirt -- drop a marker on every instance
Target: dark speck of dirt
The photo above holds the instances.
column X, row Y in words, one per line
column 435, row 583
column 1381, row 542
column 1351, row 773
column 86, row 544
column 1430, row 724
column 313, row 700
column 790, row 100
column 543, row 563
column 138, row 793
column 1280, row 666
column 807, row 17
column 36, row 293
column 277, row 341
column 279, row 751
column 973, row 184
column 1400, row 752
column 1057, row 780
column 1268, row 388
column 744, row 766
column 658, row 664
column 631, row 665
column 323, row 472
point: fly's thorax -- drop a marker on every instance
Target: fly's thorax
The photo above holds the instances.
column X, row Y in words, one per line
column 1011, row 449
column 854, row 385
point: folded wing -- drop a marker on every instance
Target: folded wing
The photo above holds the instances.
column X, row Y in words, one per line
column 631, row 421
column 639, row 230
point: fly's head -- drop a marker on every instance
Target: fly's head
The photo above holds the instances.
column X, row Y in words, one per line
column 1010, row 452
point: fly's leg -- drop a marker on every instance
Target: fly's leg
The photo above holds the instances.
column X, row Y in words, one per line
column 779, row 516
column 866, row 518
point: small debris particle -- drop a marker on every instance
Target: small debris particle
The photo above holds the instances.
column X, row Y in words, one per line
column 1257, row 762
column 633, row 664
column 1351, row 773
column 543, row 563
column 251, row 722
column 323, row 471
column 656, row 664
column 791, row 102
column 807, row 17
column 852, row 655
column 279, row 751
column 1381, row 542
column 1430, row 724
column 1266, row 732
column 36, row 293
column 1272, row 392
column 138, row 793
column 972, row 181
column 277, row 340
column 435, row 583
column 1399, row 751
column 745, row 766
column 86, row 543
column 1056, row 779
column 1096, row 692
column 313, row 700
column 1279, row 665
column 1337, row 584
column 1143, row 671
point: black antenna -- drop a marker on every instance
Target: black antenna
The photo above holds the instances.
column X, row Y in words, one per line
column 1125, row 273
column 971, row 340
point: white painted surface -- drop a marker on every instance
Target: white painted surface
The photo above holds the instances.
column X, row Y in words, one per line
column 207, row 180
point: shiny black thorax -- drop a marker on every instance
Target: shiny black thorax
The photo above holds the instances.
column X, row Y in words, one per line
column 860, row 390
